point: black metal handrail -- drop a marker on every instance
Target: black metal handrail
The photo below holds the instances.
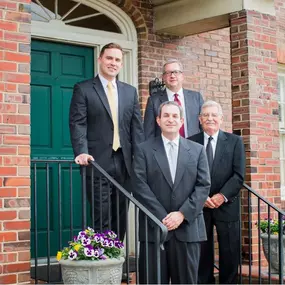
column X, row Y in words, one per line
column 154, row 219
column 267, row 276
column 41, row 189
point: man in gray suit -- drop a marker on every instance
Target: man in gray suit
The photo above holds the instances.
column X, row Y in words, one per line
column 171, row 179
column 105, row 125
column 190, row 101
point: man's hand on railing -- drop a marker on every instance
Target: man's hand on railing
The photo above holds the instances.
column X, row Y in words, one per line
column 83, row 159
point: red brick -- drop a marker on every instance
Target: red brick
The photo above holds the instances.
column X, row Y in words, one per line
column 8, row 150
column 16, row 225
column 10, row 278
column 8, row 26
column 17, row 37
column 7, row 129
column 17, row 78
column 16, row 119
column 8, row 192
column 7, row 236
column 8, row 46
column 16, row 57
column 16, row 181
column 24, row 256
column 16, row 160
column 16, row 267
column 24, row 150
column 17, row 140
column 18, row 17
column 9, row 171
column 8, row 5
column 8, row 66
column 8, row 257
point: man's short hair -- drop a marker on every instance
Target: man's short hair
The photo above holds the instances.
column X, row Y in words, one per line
column 172, row 61
column 211, row 103
column 173, row 103
column 109, row 46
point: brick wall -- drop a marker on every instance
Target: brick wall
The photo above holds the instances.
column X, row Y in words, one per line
column 14, row 141
column 255, row 106
column 205, row 57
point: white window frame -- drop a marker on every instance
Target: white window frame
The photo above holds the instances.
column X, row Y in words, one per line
column 281, row 101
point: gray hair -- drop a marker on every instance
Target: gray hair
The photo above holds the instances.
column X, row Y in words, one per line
column 211, row 103
column 170, row 61
column 173, row 103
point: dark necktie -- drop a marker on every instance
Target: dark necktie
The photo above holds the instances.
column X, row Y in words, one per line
column 210, row 155
column 181, row 131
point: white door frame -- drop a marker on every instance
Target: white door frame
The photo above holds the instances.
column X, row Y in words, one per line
column 56, row 30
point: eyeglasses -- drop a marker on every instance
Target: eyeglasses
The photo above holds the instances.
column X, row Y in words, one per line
column 207, row 115
column 175, row 72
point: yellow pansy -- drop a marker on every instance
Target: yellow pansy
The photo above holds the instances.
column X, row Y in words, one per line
column 59, row 255
column 77, row 246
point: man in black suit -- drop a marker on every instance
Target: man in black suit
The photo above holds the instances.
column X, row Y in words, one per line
column 226, row 158
column 171, row 179
column 190, row 101
column 106, row 125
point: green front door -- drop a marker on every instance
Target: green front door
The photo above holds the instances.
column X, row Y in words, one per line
column 55, row 68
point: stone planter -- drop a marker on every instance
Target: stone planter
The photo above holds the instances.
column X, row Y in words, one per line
column 107, row 271
column 274, row 255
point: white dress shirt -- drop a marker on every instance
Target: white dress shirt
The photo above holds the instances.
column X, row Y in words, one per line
column 180, row 93
column 213, row 141
column 172, row 164
column 104, row 82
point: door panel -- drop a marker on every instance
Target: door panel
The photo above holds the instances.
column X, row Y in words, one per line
column 55, row 68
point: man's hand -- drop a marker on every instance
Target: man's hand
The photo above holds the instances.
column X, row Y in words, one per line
column 209, row 203
column 83, row 159
column 173, row 220
column 218, row 200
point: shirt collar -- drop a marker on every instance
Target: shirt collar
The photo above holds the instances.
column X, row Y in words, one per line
column 166, row 141
column 214, row 136
column 104, row 81
column 171, row 93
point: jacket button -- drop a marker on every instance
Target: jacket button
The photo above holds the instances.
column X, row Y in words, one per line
column 173, row 197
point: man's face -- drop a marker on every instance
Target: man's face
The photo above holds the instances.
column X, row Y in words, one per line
column 211, row 120
column 173, row 77
column 110, row 63
column 170, row 121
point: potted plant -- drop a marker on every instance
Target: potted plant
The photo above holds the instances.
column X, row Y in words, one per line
column 274, row 242
column 92, row 258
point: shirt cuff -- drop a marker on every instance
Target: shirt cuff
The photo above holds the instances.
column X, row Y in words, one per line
column 226, row 200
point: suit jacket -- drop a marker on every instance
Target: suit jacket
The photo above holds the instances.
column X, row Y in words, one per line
column 227, row 174
column 153, row 187
column 91, row 124
column 193, row 103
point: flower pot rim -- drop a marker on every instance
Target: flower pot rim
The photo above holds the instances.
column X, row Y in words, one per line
column 90, row 263
column 272, row 236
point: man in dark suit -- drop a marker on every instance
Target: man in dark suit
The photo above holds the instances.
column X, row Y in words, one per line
column 226, row 158
column 106, row 125
column 190, row 101
column 171, row 179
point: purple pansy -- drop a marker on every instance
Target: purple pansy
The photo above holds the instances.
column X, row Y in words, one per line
column 89, row 252
column 85, row 241
column 72, row 254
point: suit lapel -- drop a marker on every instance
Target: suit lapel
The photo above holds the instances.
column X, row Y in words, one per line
column 101, row 93
column 182, row 160
column 188, row 109
column 121, row 98
column 162, row 161
column 220, row 149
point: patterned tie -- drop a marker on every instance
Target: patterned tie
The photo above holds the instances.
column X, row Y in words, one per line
column 210, row 155
column 113, row 107
column 172, row 155
column 182, row 130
